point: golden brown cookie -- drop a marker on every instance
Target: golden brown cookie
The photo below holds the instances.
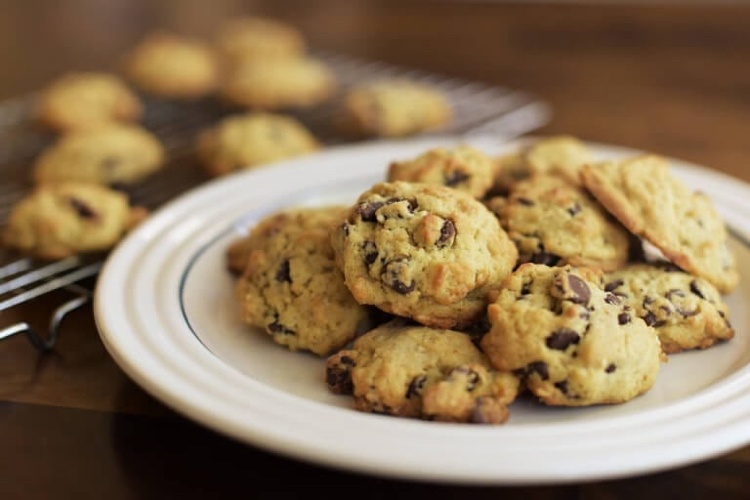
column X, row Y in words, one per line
column 59, row 220
column 252, row 139
column 254, row 37
column 111, row 155
column 86, row 101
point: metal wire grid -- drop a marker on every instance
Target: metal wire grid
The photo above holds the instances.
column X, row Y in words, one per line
column 477, row 108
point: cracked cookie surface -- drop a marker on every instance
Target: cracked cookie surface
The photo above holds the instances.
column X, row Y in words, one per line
column 422, row 251
column 414, row 371
column 572, row 343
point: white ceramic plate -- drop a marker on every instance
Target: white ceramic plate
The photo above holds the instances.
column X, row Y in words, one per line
column 165, row 311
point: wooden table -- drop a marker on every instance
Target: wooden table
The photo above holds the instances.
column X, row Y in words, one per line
column 671, row 79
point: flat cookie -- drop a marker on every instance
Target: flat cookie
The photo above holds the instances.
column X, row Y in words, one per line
column 86, row 101
column 393, row 108
column 572, row 343
column 60, row 220
column 418, row 372
column 172, row 66
column 292, row 289
column 253, row 139
column 423, row 251
column 254, row 37
column 290, row 220
column 462, row 167
column 687, row 312
column 554, row 222
column 653, row 204
column 279, row 83
column 112, row 155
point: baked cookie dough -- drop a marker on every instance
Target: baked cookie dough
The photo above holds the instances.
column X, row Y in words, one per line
column 112, row 155
column 254, row 37
column 462, row 167
column 292, row 288
column 654, row 205
column 252, row 139
column 423, row 251
column 572, row 343
column 274, row 84
column 555, row 222
column 393, row 108
column 86, row 101
column 686, row 311
column 173, row 66
column 419, row 372
column 60, row 220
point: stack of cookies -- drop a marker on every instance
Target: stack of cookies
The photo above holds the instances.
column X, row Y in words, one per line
column 462, row 281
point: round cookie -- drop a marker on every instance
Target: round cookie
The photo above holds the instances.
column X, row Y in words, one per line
column 86, row 101
column 462, row 167
column 656, row 206
column 172, row 66
column 279, row 83
column 253, row 139
column 554, row 222
column 572, row 343
column 60, row 220
column 253, row 37
column 687, row 312
column 111, row 155
column 290, row 220
column 292, row 289
column 419, row 372
column 393, row 108
column 423, row 251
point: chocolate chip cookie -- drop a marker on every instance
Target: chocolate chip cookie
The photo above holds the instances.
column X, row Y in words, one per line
column 111, row 155
column 253, row 37
column 462, row 167
column 686, row 311
column 423, row 251
column 413, row 371
column 571, row 342
column 656, row 206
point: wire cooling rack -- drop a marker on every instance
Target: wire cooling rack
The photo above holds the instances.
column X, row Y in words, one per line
column 477, row 108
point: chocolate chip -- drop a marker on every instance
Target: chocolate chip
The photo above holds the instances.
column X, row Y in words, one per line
column 623, row 318
column 367, row 210
column 339, row 379
column 472, row 377
column 562, row 338
column 447, row 233
column 279, row 329
column 610, row 368
column 416, row 386
column 455, row 177
column 613, row 284
column 539, row 367
column 392, row 276
column 370, row 250
column 411, row 205
column 544, row 258
column 674, row 292
column 345, row 228
column 82, row 209
column 612, row 299
column 650, row 319
column 525, row 201
column 581, row 292
column 526, row 288
column 695, row 288
column 575, row 209
column 562, row 386
column 283, row 274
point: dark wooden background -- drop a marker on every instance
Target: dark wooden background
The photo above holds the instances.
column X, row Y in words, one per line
column 673, row 78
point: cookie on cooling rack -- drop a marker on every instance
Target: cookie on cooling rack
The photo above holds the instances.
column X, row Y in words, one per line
column 555, row 222
column 653, row 204
column 172, row 66
column 423, row 251
column 462, row 167
column 274, row 84
column 291, row 286
column 254, row 37
column 572, row 343
column 86, row 101
column 58, row 220
column 111, row 155
column 252, row 139
column 686, row 311
column 413, row 371
column 393, row 108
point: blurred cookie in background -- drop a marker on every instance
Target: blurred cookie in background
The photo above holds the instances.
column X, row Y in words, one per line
column 253, row 37
column 173, row 66
column 85, row 101
column 251, row 139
